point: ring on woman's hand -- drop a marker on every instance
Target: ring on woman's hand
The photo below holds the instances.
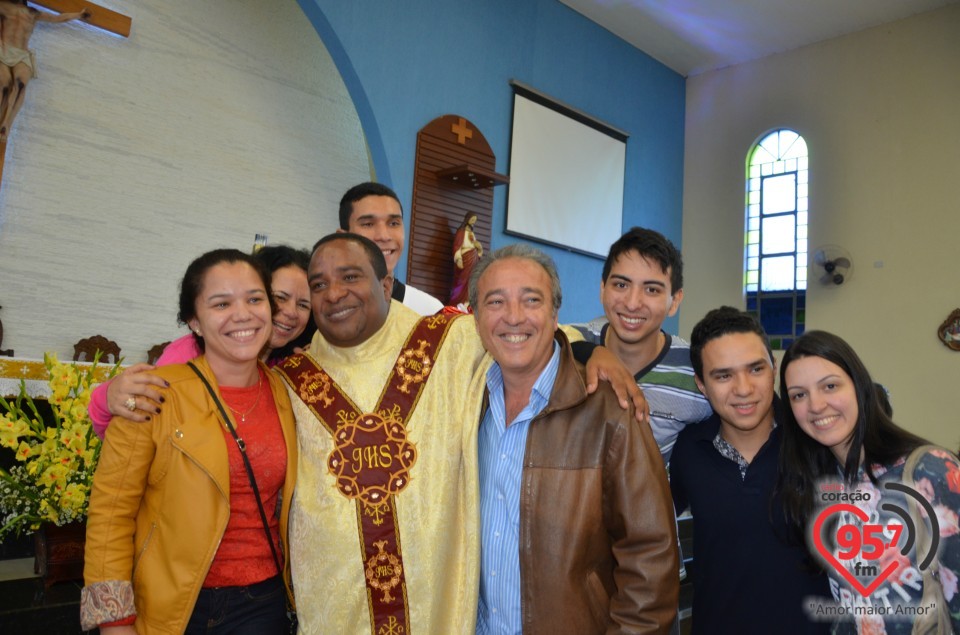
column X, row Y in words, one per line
column 131, row 404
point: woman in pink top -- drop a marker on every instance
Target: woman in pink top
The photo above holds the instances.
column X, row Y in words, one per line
column 292, row 327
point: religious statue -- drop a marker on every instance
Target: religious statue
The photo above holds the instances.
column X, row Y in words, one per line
column 17, row 62
column 466, row 251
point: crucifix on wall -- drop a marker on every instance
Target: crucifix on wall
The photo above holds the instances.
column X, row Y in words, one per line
column 18, row 62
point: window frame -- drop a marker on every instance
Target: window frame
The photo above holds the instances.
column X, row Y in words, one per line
column 775, row 154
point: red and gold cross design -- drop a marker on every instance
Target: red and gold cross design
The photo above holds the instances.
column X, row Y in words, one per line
column 373, row 458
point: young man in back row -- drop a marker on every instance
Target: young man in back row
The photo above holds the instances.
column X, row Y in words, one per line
column 373, row 210
column 642, row 285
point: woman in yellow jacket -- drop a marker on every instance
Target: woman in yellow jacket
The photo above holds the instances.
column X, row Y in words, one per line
column 176, row 542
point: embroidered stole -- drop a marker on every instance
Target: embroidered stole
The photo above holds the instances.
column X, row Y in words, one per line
column 372, row 459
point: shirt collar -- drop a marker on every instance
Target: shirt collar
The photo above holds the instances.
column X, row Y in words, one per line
column 727, row 450
column 542, row 388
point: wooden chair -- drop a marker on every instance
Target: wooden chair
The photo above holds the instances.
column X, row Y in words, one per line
column 8, row 352
column 86, row 349
column 155, row 352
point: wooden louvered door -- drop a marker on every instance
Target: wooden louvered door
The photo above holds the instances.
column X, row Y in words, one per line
column 454, row 175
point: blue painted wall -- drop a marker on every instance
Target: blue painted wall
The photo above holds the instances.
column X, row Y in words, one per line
column 406, row 62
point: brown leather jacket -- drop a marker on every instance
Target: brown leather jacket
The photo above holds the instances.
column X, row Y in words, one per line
column 598, row 545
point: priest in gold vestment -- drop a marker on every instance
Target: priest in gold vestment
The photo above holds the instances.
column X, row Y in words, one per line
column 384, row 526
column 436, row 512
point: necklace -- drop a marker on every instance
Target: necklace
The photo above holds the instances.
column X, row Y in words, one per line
column 243, row 415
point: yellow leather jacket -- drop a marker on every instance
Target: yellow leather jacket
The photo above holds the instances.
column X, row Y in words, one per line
column 160, row 504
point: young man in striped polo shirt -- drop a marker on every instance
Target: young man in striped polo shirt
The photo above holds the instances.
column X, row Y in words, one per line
column 642, row 285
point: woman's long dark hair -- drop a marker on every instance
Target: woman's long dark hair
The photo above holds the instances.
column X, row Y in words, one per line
column 276, row 257
column 803, row 460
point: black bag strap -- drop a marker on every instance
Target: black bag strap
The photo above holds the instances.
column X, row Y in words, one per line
column 246, row 461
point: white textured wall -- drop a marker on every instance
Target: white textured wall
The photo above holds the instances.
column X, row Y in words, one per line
column 880, row 111
column 215, row 120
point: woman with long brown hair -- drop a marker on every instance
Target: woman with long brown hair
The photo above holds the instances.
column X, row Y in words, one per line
column 840, row 444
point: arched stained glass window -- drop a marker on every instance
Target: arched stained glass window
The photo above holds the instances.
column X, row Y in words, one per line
column 775, row 280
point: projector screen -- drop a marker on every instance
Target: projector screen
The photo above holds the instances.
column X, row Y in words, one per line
column 566, row 176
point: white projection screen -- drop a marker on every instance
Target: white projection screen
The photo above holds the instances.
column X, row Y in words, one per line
column 566, row 176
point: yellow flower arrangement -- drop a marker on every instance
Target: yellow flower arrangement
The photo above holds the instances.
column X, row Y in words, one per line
column 55, row 464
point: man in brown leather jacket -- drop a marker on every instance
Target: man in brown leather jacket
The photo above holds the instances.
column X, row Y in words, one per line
column 577, row 527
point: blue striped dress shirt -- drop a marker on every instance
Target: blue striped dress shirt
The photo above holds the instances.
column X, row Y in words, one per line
column 501, row 451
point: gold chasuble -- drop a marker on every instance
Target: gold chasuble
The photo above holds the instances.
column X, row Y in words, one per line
column 384, row 527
